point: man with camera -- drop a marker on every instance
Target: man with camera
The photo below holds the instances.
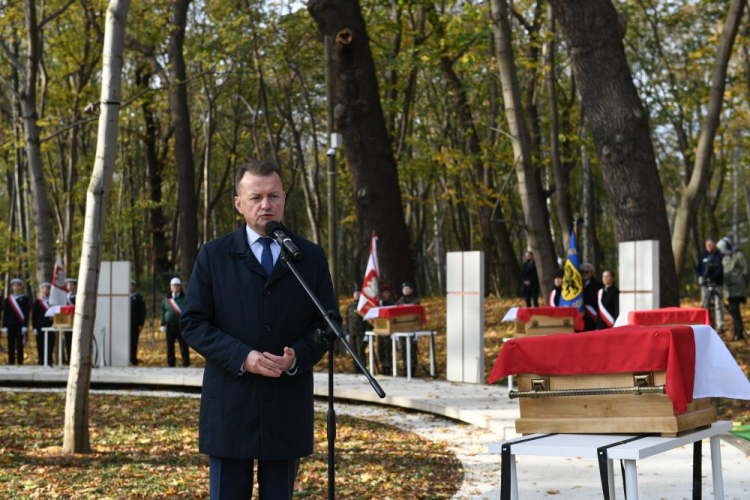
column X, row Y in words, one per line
column 710, row 274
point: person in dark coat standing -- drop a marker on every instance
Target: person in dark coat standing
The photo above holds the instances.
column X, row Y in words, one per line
column 247, row 314
column 591, row 287
column 171, row 311
column 530, row 280
column 137, row 320
column 16, row 321
column 39, row 321
column 608, row 302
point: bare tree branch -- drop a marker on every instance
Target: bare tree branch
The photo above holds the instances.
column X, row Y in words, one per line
column 55, row 14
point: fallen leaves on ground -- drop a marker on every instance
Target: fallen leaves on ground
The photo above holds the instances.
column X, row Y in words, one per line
column 146, row 447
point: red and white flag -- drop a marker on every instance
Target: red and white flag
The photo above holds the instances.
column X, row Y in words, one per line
column 59, row 294
column 370, row 296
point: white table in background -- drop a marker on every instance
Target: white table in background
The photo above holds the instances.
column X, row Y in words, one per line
column 59, row 342
column 586, row 445
column 394, row 338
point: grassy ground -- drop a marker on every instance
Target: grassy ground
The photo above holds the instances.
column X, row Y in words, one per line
column 146, row 448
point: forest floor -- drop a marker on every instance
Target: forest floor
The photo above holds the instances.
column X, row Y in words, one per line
column 145, row 447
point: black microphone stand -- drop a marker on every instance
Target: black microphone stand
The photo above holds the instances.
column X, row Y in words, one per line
column 329, row 336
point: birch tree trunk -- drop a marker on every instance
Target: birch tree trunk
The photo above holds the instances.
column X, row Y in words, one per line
column 76, row 433
column 698, row 185
column 536, row 215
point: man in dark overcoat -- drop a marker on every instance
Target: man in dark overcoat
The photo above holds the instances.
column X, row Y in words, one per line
column 247, row 314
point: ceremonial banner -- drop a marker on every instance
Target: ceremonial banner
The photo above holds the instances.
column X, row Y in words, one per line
column 370, row 296
column 59, row 294
column 572, row 285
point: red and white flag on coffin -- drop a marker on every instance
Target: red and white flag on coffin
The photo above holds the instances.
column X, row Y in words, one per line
column 59, row 294
column 370, row 296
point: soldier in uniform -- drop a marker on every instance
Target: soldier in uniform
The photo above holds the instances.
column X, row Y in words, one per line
column 137, row 320
column 591, row 287
column 39, row 321
column 16, row 321
column 72, row 285
column 408, row 294
column 356, row 326
column 171, row 310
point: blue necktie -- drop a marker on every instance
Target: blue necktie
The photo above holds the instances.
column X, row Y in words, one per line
column 266, row 258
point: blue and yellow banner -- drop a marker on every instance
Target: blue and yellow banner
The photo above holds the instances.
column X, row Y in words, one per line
column 572, row 285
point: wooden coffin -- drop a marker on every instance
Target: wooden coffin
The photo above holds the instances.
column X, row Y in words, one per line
column 403, row 323
column 544, row 325
column 606, row 414
column 62, row 321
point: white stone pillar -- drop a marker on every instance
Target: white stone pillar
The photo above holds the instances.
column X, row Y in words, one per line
column 465, row 317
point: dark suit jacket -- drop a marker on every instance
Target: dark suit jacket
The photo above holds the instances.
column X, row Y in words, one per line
column 232, row 308
column 38, row 317
column 137, row 311
column 10, row 319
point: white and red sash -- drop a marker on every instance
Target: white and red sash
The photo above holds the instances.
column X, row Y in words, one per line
column 44, row 304
column 591, row 313
column 17, row 309
column 606, row 316
column 551, row 299
column 174, row 306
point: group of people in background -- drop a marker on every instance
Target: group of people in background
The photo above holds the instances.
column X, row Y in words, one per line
column 722, row 271
column 601, row 299
column 356, row 326
column 21, row 316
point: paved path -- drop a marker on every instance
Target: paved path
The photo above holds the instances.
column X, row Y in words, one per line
column 487, row 408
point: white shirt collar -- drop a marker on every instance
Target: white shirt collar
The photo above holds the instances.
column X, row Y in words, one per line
column 252, row 236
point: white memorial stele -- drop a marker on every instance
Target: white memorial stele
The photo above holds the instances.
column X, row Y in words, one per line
column 638, row 278
column 465, row 317
column 112, row 322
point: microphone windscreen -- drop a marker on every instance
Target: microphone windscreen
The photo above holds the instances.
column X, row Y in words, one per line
column 272, row 226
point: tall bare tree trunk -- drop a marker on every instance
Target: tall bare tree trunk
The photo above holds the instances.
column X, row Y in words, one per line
column 76, row 433
column 41, row 209
column 533, row 198
column 562, row 188
column 187, row 204
column 698, row 185
column 618, row 122
column 369, row 153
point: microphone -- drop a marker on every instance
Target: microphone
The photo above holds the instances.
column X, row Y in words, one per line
column 275, row 230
